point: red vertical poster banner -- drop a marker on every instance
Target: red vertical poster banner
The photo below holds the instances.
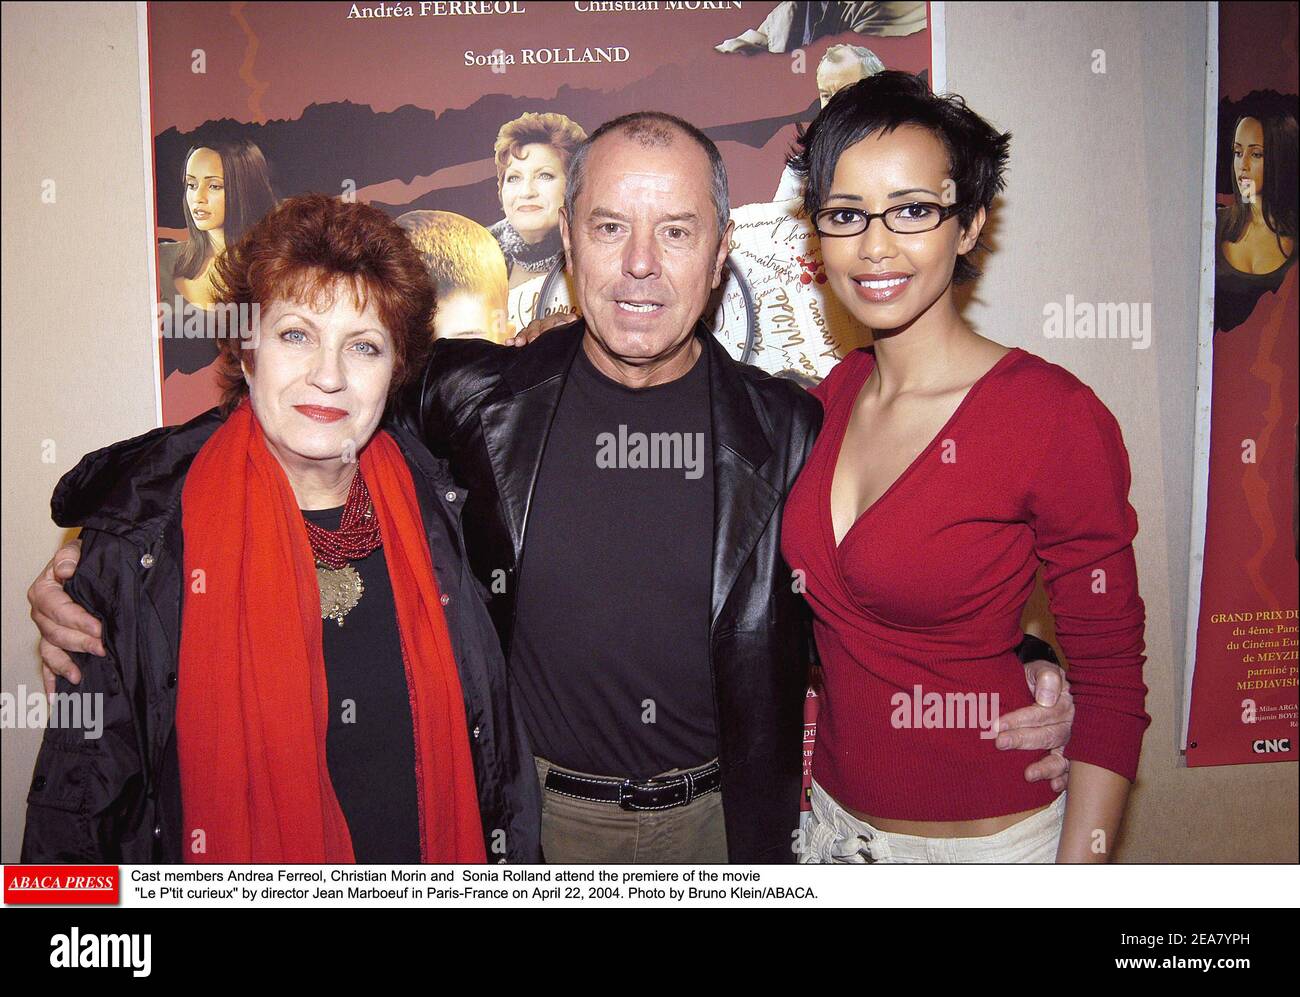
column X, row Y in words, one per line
column 1243, row 687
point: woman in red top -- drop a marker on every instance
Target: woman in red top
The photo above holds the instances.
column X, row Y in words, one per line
column 948, row 468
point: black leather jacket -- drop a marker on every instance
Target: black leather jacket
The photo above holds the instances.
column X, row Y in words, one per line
column 489, row 410
column 117, row 798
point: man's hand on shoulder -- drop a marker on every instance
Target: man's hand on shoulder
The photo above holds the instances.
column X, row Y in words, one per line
column 538, row 326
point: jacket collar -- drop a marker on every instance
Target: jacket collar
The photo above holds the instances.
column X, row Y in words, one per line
column 549, row 358
column 745, row 493
column 516, row 420
column 736, row 424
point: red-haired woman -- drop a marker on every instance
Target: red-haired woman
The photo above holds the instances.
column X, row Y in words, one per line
column 300, row 667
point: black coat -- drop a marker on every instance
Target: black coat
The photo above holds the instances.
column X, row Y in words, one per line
column 117, row 798
column 489, row 410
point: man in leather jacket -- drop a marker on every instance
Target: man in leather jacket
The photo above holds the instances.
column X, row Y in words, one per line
column 496, row 415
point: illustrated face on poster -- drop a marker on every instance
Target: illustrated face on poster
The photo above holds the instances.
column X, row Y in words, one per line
column 205, row 191
column 477, row 116
column 1248, row 158
column 532, row 155
column 1268, row 239
column 842, row 66
column 1255, row 230
column 222, row 188
column 532, row 191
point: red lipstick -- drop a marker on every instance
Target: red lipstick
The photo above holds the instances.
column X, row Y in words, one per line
column 322, row 413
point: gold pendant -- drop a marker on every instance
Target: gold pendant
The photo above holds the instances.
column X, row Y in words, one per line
column 340, row 591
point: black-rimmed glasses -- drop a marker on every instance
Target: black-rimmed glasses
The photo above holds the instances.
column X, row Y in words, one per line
column 905, row 219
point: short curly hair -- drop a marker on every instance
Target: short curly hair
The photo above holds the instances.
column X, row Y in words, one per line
column 549, row 128
column 307, row 249
column 977, row 152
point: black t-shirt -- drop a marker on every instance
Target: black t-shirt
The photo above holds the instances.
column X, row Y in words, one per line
column 610, row 652
column 370, row 744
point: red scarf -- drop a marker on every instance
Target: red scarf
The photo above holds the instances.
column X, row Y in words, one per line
column 252, row 704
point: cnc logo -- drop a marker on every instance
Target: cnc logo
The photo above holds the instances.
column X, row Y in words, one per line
column 1272, row 745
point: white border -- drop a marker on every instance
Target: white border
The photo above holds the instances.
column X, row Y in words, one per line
column 1204, row 359
column 978, row 888
column 938, row 50
column 146, row 128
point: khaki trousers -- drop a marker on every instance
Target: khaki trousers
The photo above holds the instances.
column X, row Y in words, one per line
column 579, row 831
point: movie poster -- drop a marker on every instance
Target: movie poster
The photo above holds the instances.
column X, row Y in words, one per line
column 1243, row 696
column 459, row 120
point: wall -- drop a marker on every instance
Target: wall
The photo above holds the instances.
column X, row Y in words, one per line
column 1103, row 203
column 74, row 328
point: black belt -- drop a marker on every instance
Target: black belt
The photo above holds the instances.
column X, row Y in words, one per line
column 652, row 794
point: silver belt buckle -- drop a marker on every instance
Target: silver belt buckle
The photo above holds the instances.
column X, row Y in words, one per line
column 624, row 795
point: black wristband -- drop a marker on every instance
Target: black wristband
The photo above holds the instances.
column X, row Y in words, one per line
column 1034, row 649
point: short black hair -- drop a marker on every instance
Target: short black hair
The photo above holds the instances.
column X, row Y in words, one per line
column 977, row 152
